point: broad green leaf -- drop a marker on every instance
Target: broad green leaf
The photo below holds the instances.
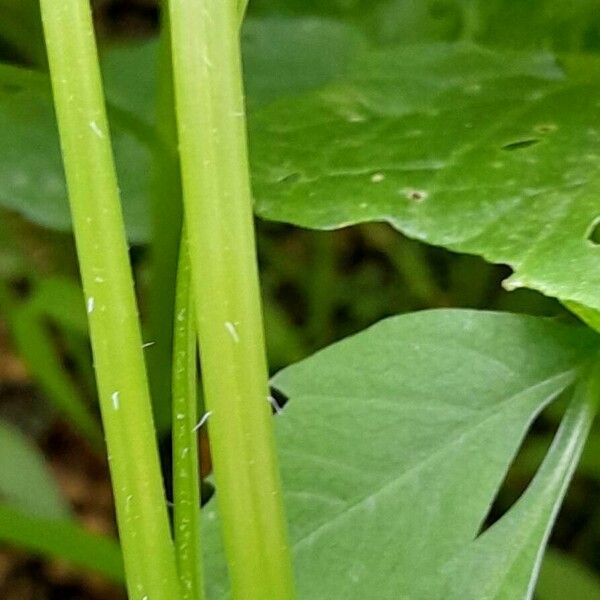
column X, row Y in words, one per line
column 489, row 153
column 395, row 442
column 25, row 481
column 282, row 57
column 563, row 578
column 60, row 538
column 31, row 173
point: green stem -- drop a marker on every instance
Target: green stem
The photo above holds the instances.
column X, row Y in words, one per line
column 186, row 475
column 218, row 214
column 320, row 287
column 108, row 286
column 166, row 213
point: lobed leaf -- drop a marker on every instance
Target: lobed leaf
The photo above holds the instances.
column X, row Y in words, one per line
column 490, row 153
column 31, row 174
column 395, row 442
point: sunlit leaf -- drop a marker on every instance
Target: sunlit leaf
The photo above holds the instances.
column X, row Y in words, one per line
column 490, row 153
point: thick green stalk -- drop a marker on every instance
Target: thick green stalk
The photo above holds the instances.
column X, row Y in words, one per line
column 107, row 280
column 218, row 214
column 186, row 468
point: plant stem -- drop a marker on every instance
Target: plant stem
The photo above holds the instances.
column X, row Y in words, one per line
column 107, row 280
column 166, row 213
column 186, row 476
column 218, row 214
column 320, row 286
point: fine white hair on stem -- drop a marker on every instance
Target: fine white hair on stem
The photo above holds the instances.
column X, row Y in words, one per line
column 233, row 332
column 96, row 129
column 271, row 400
column 203, row 420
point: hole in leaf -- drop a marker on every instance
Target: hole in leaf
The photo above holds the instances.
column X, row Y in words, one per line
column 520, row 144
column 290, row 178
column 593, row 234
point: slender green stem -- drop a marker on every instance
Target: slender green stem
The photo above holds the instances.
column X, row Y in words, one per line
column 410, row 260
column 321, row 287
column 166, row 213
column 107, row 280
column 218, row 214
column 186, row 475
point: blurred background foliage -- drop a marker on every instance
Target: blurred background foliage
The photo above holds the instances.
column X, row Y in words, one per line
column 317, row 286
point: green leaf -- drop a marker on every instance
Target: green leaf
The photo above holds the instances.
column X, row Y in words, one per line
column 21, row 29
column 25, row 481
column 63, row 539
column 60, row 300
column 34, row 343
column 572, row 26
column 283, row 57
column 30, row 164
column 535, row 24
column 395, row 442
column 563, row 577
column 489, row 153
